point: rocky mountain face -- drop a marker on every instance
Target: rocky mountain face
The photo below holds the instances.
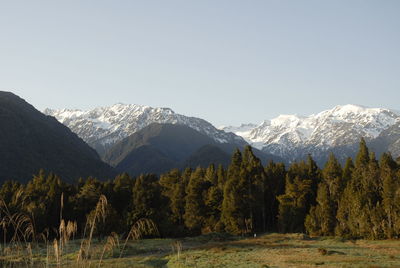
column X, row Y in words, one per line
column 103, row 127
column 30, row 141
column 338, row 130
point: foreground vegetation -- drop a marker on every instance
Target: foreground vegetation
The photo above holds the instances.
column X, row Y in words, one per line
column 221, row 250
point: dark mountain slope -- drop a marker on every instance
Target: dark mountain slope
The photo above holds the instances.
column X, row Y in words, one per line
column 160, row 147
column 206, row 155
column 176, row 142
column 30, row 140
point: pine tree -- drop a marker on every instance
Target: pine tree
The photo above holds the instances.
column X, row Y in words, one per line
column 147, row 200
column 390, row 188
column 293, row 204
column 332, row 176
column 357, row 207
column 195, row 208
column 300, row 195
column 362, row 158
column 221, row 177
column 275, row 186
column 254, row 177
column 173, row 189
column 121, row 196
column 233, row 214
column 213, row 201
column 321, row 219
column 347, row 171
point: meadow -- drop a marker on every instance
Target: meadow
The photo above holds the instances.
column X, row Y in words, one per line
column 214, row 250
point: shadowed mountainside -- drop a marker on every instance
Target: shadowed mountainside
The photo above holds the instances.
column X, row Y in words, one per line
column 30, row 140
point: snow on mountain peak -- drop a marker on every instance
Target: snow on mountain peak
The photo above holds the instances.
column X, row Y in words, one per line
column 340, row 126
column 104, row 126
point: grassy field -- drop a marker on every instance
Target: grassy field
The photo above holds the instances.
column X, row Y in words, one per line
column 216, row 250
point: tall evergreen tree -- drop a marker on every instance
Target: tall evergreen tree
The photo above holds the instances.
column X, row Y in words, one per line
column 147, row 200
column 321, row 219
column 121, row 197
column 195, row 208
column 390, row 191
column 233, row 214
column 300, row 195
column 360, row 198
column 275, row 186
column 254, row 177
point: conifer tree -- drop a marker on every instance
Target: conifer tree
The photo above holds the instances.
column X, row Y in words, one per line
column 293, row 204
column 121, row 197
column 233, row 214
column 347, row 170
column 213, row 200
column 360, row 198
column 254, row 177
column 362, row 158
column 390, row 191
column 221, row 177
column 332, row 176
column 195, row 208
column 147, row 200
column 173, row 189
column 300, row 195
column 321, row 219
column 275, row 185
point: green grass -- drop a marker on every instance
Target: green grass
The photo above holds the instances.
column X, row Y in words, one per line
column 218, row 250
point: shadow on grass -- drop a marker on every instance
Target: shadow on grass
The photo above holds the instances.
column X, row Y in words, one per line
column 248, row 246
column 156, row 263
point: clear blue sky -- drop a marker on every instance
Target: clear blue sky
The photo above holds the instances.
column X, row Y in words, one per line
column 225, row 61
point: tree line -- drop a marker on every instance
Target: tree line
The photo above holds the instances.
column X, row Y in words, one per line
column 359, row 200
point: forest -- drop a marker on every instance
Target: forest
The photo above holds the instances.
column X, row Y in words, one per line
column 358, row 200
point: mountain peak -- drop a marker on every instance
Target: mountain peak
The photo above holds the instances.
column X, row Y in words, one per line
column 289, row 136
column 353, row 109
column 104, row 126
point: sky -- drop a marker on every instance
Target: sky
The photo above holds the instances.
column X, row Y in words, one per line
column 226, row 61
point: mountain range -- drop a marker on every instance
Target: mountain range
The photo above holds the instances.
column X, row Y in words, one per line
column 337, row 130
column 103, row 127
column 286, row 138
column 141, row 139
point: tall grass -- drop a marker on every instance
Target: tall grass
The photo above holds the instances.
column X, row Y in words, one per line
column 141, row 228
column 177, row 248
column 23, row 241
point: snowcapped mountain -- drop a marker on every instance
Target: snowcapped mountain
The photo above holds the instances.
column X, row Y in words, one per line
column 243, row 130
column 338, row 130
column 104, row 126
column 290, row 137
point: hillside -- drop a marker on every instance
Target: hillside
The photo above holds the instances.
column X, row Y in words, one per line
column 30, row 140
column 160, row 147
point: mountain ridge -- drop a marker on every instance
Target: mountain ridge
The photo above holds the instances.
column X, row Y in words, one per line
column 294, row 136
column 103, row 127
column 159, row 148
column 290, row 137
